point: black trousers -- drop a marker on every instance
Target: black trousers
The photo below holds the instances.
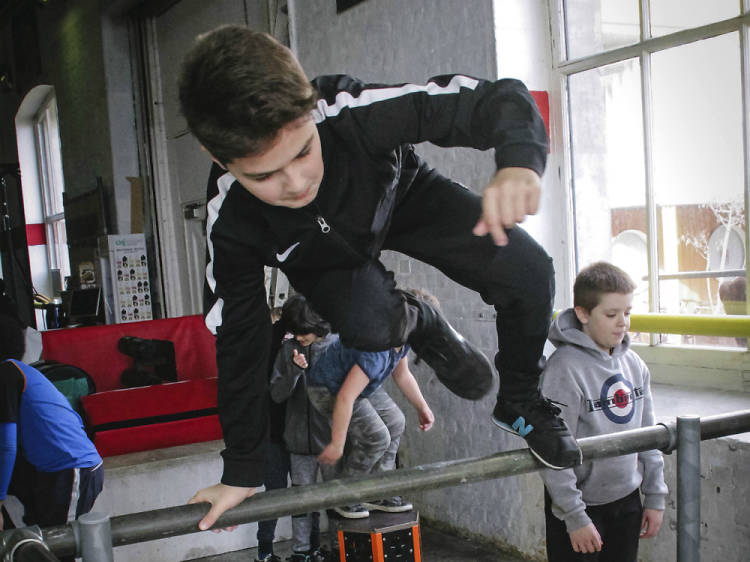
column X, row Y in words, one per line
column 432, row 221
column 618, row 523
column 54, row 498
column 277, row 469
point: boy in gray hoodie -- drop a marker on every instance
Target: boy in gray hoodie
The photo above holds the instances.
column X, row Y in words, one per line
column 603, row 387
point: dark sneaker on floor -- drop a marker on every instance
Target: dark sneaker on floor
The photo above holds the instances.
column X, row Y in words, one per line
column 300, row 557
column 457, row 363
column 539, row 422
column 356, row 511
column 321, row 555
column 396, row 504
column 268, row 558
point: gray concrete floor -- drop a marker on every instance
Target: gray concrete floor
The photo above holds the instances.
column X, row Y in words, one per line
column 437, row 546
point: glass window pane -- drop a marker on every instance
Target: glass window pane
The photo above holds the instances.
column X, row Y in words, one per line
column 608, row 170
column 698, row 173
column 55, row 155
column 57, row 247
column 594, row 26
column 668, row 16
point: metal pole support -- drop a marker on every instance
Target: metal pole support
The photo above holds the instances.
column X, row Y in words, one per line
column 183, row 519
column 688, row 488
column 25, row 543
column 94, row 534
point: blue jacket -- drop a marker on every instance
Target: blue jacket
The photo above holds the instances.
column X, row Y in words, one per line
column 51, row 433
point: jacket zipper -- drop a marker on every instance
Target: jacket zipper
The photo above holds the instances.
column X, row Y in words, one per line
column 324, row 226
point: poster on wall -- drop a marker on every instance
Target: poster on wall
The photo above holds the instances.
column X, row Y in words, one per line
column 128, row 291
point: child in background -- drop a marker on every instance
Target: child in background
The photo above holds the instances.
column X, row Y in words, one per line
column 306, row 431
column 46, row 459
column 345, row 386
column 594, row 511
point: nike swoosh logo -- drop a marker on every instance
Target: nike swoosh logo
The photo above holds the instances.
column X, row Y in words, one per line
column 282, row 257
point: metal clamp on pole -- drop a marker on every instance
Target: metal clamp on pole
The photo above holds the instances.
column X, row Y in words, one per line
column 95, row 534
column 688, row 488
column 672, row 432
column 25, row 545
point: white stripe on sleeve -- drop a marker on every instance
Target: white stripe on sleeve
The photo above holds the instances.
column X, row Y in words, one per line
column 367, row 97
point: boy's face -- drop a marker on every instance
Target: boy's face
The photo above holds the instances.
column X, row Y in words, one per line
column 305, row 339
column 288, row 173
column 608, row 321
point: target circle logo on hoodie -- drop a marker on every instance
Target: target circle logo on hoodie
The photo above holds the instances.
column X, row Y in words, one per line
column 618, row 399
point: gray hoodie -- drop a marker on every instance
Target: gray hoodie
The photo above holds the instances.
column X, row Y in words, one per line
column 306, row 431
column 602, row 393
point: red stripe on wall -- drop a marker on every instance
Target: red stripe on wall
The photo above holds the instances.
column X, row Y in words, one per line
column 542, row 101
column 36, row 235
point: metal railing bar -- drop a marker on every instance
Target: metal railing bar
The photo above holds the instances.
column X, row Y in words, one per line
column 183, row 519
column 701, row 274
column 691, row 324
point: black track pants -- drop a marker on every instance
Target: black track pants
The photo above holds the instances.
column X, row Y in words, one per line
column 433, row 221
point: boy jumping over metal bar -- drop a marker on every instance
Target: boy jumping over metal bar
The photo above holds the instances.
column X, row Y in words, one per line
column 317, row 178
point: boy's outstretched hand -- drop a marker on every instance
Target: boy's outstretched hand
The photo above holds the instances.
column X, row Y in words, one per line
column 221, row 497
column 511, row 195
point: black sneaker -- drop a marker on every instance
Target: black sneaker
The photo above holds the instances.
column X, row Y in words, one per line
column 321, row 555
column 268, row 558
column 457, row 363
column 539, row 422
column 396, row 504
column 300, row 557
column 356, row 511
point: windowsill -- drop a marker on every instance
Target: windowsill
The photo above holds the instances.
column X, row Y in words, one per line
column 671, row 401
column 697, row 367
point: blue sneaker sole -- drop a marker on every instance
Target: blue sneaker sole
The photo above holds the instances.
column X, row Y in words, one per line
column 505, row 427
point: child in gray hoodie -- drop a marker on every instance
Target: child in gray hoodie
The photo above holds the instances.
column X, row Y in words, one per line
column 603, row 387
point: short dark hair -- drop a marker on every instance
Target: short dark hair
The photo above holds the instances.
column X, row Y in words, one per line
column 597, row 279
column 12, row 339
column 299, row 318
column 238, row 88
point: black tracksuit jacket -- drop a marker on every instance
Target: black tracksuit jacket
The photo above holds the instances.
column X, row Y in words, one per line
column 366, row 133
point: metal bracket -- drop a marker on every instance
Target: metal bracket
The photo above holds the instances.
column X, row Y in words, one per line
column 672, row 432
column 12, row 540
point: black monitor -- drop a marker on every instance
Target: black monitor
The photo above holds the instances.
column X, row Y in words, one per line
column 85, row 306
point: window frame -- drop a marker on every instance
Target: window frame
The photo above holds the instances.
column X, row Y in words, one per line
column 46, row 133
column 687, row 366
column 563, row 68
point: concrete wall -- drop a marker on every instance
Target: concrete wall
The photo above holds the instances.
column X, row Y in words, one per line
column 71, row 49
